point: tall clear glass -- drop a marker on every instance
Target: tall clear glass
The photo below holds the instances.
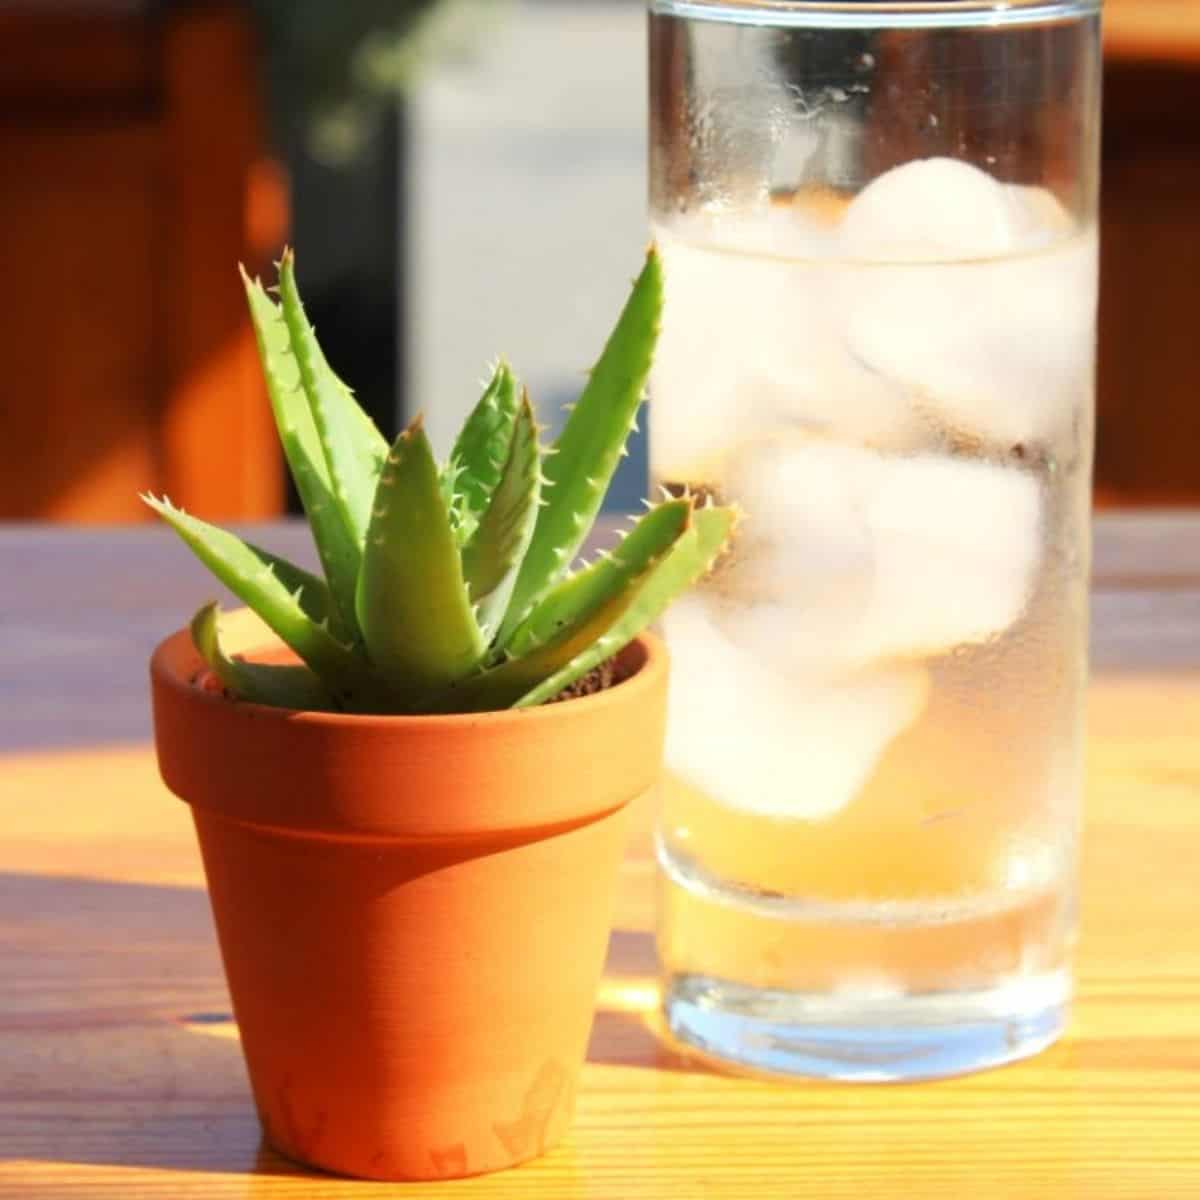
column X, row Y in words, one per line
column 878, row 226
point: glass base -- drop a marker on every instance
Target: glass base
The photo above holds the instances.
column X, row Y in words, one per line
column 880, row 1040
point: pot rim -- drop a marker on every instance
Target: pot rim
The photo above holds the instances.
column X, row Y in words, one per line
column 167, row 668
column 413, row 778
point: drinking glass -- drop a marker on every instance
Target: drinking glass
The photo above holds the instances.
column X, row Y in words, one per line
column 878, row 228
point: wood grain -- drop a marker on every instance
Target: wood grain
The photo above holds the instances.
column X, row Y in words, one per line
column 77, row 400
column 57, row 57
column 211, row 149
column 1163, row 31
column 134, row 181
column 120, row 1074
column 1148, row 422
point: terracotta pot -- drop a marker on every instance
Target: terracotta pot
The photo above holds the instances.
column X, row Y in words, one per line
column 413, row 911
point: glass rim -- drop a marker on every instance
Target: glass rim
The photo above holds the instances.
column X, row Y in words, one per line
column 873, row 14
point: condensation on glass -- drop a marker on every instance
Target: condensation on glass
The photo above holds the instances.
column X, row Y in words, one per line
column 878, row 226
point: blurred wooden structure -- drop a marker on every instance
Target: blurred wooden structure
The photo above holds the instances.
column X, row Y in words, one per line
column 135, row 178
column 1148, row 435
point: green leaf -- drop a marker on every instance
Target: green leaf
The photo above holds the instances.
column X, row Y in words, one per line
column 456, row 508
column 501, row 686
column 573, row 598
column 493, row 553
column 260, row 683
column 691, row 556
column 413, row 607
column 581, row 464
column 353, row 448
column 575, row 614
column 311, row 593
column 482, row 449
column 251, row 575
column 340, row 554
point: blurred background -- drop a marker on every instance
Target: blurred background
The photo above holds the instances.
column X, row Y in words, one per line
column 460, row 178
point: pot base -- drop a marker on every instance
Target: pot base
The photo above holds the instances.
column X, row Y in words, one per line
column 532, row 1136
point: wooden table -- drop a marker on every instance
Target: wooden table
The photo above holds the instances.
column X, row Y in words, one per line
column 120, row 1074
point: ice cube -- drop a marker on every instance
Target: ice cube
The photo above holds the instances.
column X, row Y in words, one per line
column 848, row 557
column 801, row 374
column 999, row 350
column 746, row 343
column 804, row 559
column 929, row 210
column 712, row 328
column 805, row 502
column 757, row 742
column 835, row 396
column 785, row 231
column 957, row 544
column 946, row 299
column 750, row 341
column 809, row 381
column 1039, row 215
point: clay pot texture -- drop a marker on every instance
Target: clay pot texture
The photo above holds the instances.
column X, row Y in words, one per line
column 413, row 912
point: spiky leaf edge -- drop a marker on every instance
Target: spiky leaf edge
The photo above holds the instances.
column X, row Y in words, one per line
column 495, row 550
column 250, row 574
column 480, row 451
column 652, row 536
column 354, row 449
column 690, row 558
column 280, row 686
column 581, row 463
column 580, row 611
column 339, row 553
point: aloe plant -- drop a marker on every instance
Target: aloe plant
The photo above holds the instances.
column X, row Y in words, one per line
column 448, row 588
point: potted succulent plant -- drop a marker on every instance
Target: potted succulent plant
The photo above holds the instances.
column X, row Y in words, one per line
column 410, row 846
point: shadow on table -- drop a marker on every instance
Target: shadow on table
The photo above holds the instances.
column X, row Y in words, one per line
column 116, row 1044
column 628, row 1029
column 112, row 1006
column 634, row 1040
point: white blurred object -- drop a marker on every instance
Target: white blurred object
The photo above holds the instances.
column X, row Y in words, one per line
column 1039, row 215
column 932, row 209
column 1001, row 351
column 752, row 341
column 957, row 549
column 848, row 557
column 984, row 310
column 712, row 333
column 943, row 302
column 754, row 741
column 802, row 584
column 806, row 377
